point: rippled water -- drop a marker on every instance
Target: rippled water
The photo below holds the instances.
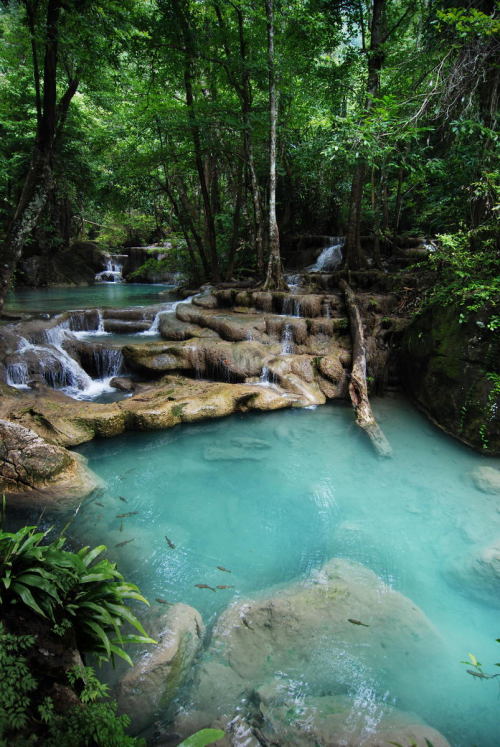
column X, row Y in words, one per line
column 272, row 497
column 101, row 295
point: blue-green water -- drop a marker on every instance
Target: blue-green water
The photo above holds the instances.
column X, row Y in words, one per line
column 100, row 295
column 272, row 497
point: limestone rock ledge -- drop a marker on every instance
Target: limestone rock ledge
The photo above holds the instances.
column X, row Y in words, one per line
column 147, row 689
column 36, row 473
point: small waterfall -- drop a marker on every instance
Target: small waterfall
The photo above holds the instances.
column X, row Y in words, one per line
column 266, row 377
column 47, row 359
column 287, row 346
column 166, row 309
column 291, row 306
column 331, row 257
column 108, row 362
column 112, row 273
column 17, row 375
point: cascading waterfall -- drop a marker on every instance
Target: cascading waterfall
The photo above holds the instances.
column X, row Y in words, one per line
column 331, row 257
column 168, row 308
column 112, row 272
column 287, row 346
column 291, row 306
column 46, row 358
column 266, row 377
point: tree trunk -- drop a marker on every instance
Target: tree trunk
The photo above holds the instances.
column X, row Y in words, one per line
column 353, row 253
column 38, row 182
column 358, row 389
column 274, row 277
column 189, row 56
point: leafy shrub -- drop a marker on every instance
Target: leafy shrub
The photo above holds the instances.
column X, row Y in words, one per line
column 28, row 718
column 71, row 590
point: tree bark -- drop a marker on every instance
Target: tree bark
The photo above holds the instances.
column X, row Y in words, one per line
column 353, row 253
column 38, row 181
column 274, row 277
column 358, row 389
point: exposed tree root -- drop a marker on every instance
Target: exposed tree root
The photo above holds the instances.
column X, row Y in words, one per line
column 358, row 389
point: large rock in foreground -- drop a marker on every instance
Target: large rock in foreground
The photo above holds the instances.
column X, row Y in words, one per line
column 449, row 367
column 150, row 685
column 36, row 473
column 343, row 631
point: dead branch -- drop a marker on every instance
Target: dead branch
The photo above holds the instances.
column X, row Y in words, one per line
column 358, row 389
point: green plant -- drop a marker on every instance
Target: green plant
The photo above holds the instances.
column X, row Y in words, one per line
column 70, row 589
column 29, row 717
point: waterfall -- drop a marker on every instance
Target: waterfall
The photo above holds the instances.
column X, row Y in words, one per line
column 47, row 359
column 266, row 377
column 287, row 346
column 166, row 309
column 17, row 375
column 331, row 257
column 291, row 306
column 112, row 272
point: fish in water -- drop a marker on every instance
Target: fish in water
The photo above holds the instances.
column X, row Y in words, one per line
column 225, row 586
column 170, row 543
column 204, row 586
column 121, row 525
column 221, row 568
column 124, row 516
column 162, row 601
column 357, row 622
column 97, row 503
column 122, row 498
column 125, row 542
column 246, row 623
column 482, row 675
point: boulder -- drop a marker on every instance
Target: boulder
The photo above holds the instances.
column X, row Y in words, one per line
column 34, row 473
column 487, row 479
column 338, row 721
column 478, row 574
column 148, row 688
column 123, row 384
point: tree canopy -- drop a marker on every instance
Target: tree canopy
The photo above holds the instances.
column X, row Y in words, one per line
column 156, row 117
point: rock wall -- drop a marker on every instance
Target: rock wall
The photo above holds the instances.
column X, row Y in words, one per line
column 448, row 365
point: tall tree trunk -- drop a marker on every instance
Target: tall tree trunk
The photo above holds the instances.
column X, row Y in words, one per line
column 38, row 182
column 274, row 277
column 189, row 57
column 353, row 253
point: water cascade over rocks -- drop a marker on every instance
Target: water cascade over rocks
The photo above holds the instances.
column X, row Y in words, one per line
column 331, row 257
column 112, row 272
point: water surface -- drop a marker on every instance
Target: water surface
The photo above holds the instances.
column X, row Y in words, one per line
column 99, row 295
column 272, row 497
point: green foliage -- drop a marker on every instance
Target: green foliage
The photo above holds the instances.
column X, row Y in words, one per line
column 17, row 681
column 467, row 276
column 71, row 590
column 93, row 720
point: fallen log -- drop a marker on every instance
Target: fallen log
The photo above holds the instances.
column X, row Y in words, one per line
column 358, row 388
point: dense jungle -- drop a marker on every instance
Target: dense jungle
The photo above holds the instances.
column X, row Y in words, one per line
column 249, row 373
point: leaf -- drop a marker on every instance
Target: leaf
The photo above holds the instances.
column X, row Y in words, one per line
column 28, row 598
column 205, row 737
column 473, row 660
column 121, row 653
column 100, row 634
column 92, row 555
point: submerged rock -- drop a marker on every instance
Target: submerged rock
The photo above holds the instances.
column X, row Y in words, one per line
column 150, row 685
column 36, row 473
column 338, row 721
column 487, row 479
column 344, row 630
column 478, row 574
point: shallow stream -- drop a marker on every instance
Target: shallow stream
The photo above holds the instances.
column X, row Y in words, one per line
column 272, row 497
